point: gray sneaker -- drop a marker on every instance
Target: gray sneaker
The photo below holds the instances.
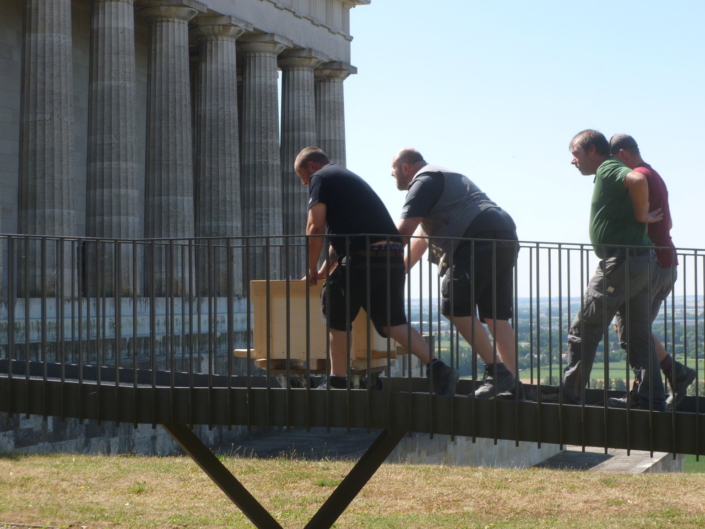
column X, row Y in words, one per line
column 685, row 376
column 497, row 380
column 445, row 378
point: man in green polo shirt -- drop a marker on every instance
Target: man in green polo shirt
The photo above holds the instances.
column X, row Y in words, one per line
column 624, row 276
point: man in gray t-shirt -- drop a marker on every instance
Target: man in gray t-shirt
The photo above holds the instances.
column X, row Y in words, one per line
column 476, row 241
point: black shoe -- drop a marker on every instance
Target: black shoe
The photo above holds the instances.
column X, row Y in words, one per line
column 621, row 403
column 516, row 393
column 685, row 376
column 445, row 378
column 335, row 383
column 498, row 379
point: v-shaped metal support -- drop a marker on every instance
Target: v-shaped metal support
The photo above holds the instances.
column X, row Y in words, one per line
column 329, row 512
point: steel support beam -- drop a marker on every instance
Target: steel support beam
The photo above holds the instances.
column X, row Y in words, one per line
column 222, row 477
column 356, row 479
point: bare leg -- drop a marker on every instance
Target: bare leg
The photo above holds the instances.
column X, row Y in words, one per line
column 338, row 353
column 504, row 335
column 660, row 349
column 418, row 346
column 506, row 343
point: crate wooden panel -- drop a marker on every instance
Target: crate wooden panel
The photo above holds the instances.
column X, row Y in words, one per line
column 298, row 324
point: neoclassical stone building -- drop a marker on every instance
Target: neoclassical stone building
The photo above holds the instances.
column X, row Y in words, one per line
column 161, row 118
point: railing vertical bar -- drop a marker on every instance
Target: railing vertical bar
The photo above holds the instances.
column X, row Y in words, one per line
column 627, row 332
column 99, row 323
column 193, row 282
column 539, row 356
column 60, row 318
column 531, row 315
column 368, row 337
column 229, row 300
column 79, row 268
column 436, row 336
column 135, row 287
column 582, row 348
column 117, row 301
column 11, row 306
column 473, row 330
column 550, row 317
column 210, row 285
column 348, row 334
column 26, row 321
column 389, row 340
column 650, row 350
column 605, row 357
column 307, row 385
column 697, row 382
column 44, row 321
column 560, row 341
column 408, row 338
column 171, row 329
column 267, row 274
column 287, row 278
column 515, row 327
column 153, row 329
column 248, row 334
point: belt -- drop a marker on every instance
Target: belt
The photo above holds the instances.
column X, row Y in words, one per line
column 380, row 253
column 382, row 250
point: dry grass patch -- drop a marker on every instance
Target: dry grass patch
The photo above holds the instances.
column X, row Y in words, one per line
column 95, row 492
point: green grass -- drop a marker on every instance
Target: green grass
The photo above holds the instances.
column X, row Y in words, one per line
column 147, row 492
column 691, row 466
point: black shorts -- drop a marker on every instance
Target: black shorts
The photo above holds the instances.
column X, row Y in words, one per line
column 384, row 310
column 493, row 293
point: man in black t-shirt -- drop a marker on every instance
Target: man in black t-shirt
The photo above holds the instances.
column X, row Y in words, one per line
column 360, row 230
column 478, row 276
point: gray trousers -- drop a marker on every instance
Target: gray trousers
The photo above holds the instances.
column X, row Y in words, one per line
column 614, row 290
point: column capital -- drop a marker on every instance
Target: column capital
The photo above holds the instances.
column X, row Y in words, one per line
column 154, row 10
column 305, row 58
column 214, row 27
column 356, row 2
column 335, row 70
column 264, row 43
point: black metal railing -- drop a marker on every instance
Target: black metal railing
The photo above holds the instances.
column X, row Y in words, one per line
column 225, row 331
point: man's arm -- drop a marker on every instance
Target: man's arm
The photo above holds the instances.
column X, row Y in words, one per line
column 638, row 188
column 407, row 227
column 316, row 225
column 417, row 247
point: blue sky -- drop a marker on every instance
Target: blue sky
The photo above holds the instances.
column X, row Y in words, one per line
column 496, row 89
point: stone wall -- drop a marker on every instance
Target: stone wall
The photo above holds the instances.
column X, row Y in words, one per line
column 33, row 434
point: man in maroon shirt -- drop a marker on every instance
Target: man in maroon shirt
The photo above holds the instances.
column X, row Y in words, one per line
column 625, row 149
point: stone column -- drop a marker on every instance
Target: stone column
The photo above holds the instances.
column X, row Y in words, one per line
column 260, row 164
column 114, row 198
column 217, row 153
column 298, row 131
column 169, row 170
column 47, row 182
column 330, row 108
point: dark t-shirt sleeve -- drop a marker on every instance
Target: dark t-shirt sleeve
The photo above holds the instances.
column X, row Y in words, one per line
column 316, row 191
column 423, row 194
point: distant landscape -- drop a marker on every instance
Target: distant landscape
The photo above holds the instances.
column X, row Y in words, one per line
column 542, row 329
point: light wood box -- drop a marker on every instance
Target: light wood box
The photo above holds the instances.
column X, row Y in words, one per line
column 298, row 324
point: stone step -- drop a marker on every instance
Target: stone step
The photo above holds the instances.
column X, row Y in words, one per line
column 615, row 460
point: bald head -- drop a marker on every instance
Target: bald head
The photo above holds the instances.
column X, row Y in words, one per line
column 410, row 156
column 405, row 164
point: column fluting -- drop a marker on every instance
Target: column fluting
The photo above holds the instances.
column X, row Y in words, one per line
column 261, row 195
column 217, row 151
column 169, row 166
column 330, row 108
column 47, row 180
column 298, row 131
column 114, row 199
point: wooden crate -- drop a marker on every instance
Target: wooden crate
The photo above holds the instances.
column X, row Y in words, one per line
column 276, row 315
